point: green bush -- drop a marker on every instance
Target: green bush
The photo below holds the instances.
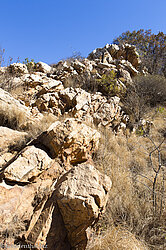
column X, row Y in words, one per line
column 109, row 85
column 31, row 65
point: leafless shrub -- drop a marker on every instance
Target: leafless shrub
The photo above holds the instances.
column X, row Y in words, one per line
column 145, row 92
column 116, row 238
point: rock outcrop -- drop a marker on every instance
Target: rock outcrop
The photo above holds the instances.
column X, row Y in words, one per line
column 51, row 192
column 33, row 189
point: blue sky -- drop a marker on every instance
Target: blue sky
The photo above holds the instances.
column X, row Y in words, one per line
column 50, row 30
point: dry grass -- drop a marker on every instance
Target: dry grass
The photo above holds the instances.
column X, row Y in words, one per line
column 14, row 118
column 117, row 238
column 126, row 161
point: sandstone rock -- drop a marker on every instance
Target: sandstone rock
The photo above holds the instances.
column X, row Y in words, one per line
column 50, row 86
column 63, row 66
column 126, row 75
column 103, row 65
column 81, row 99
column 10, row 138
column 82, row 195
column 129, row 67
column 4, row 158
column 71, row 140
column 7, row 101
column 18, row 69
column 107, row 112
column 113, row 49
column 18, row 205
column 78, row 66
column 38, row 78
column 97, row 54
column 90, row 65
column 29, row 164
column 75, row 98
column 132, row 55
column 67, row 96
column 43, row 67
column 13, row 113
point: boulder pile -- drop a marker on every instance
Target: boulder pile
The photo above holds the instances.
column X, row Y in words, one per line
column 51, row 192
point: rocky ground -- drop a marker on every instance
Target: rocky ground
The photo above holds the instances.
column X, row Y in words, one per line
column 51, row 192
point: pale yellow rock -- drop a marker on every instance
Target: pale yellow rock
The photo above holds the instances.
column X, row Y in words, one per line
column 10, row 138
column 28, row 165
column 71, row 140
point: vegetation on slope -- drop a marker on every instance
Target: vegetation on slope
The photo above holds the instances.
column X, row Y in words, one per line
column 136, row 161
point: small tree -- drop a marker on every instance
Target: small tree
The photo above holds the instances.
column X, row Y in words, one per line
column 151, row 47
column 145, row 92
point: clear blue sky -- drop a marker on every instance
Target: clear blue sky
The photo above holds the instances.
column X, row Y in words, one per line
column 49, row 30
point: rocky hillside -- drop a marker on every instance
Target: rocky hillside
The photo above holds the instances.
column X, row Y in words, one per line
column 53, row 118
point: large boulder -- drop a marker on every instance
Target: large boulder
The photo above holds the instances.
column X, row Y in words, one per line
column 75, row 98
column 43, row 67
column 29, row 163
column 8, row 102
column 132, row 55
column 71, row 140
column 108, row 112
column 18, row 69
column 82, row 195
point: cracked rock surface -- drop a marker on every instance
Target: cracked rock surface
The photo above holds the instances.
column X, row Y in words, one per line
column 82, row 195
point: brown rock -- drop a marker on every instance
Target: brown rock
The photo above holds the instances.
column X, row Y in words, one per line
column 71, row 140
column 82, row 195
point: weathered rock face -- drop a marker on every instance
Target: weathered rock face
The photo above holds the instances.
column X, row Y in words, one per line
column 53, row 213
column 42, row 67
column 29, row 164
column 100, row 61
column 112, row 51
column 50, row 191
column 19, row 207
column 9, row 138
column 82, row 195
column 71, row 140
column 18, row 69
column 7, row 102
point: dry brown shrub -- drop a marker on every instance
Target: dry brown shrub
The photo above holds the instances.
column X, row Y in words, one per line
column 117, row 238
column 14, row 118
